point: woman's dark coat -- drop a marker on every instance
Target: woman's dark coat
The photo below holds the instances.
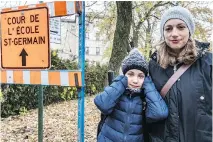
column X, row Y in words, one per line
column 189, row 101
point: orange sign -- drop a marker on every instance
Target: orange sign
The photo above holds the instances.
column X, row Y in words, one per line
column 25, row 39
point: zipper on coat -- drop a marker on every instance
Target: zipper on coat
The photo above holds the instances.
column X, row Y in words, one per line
column 178, row 119
column 129, row 112
column 175, row 68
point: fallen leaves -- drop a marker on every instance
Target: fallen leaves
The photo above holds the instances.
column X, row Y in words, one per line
column 60, row 123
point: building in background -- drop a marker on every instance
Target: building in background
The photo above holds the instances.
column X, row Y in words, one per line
column 67, row 43
column 66, row 39
column 95, row 43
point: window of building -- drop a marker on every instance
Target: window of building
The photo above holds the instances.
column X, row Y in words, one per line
column 97, row 36
column 87, row 50
column 87, row 35
column 97, row 50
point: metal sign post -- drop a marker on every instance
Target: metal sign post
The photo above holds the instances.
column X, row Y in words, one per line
column 40, row 113
column 81, row 66
column 40, row 109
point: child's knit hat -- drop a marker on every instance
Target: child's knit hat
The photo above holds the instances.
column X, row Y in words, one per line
column 178, row 12
column 135, row 60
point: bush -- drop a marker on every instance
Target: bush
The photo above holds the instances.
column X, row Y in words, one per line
column 95, row 78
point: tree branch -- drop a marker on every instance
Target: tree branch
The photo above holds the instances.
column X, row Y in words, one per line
column 147, row 14
column 155, row 17
column 91, row 4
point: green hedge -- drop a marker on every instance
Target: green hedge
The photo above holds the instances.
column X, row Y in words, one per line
column 17, row 99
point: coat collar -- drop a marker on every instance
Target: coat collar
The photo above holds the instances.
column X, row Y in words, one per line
column 203, row 47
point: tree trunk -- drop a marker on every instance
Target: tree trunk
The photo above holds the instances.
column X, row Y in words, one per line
column 135, row 36
column 148, row 40
column 121, row 35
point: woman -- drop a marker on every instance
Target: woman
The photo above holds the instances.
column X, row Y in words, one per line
column 190, row 98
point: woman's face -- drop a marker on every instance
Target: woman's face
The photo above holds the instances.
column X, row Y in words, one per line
column 176, row 34
column 135, row 78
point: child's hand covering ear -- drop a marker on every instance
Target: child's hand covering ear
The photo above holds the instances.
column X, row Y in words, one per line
column 122, row 79
column 148, row 85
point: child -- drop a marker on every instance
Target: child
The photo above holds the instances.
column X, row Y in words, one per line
column 122, row 103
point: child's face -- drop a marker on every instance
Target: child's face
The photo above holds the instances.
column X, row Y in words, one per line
column 135, row 78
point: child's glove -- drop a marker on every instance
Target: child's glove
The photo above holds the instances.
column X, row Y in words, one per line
column 122, row 79
column 148, row 85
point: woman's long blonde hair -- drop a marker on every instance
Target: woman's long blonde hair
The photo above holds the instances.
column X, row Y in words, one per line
column 165, row 55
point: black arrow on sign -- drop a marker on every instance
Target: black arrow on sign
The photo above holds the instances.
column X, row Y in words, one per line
column 23, row 54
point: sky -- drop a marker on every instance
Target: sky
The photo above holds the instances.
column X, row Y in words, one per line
column 8, row 4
